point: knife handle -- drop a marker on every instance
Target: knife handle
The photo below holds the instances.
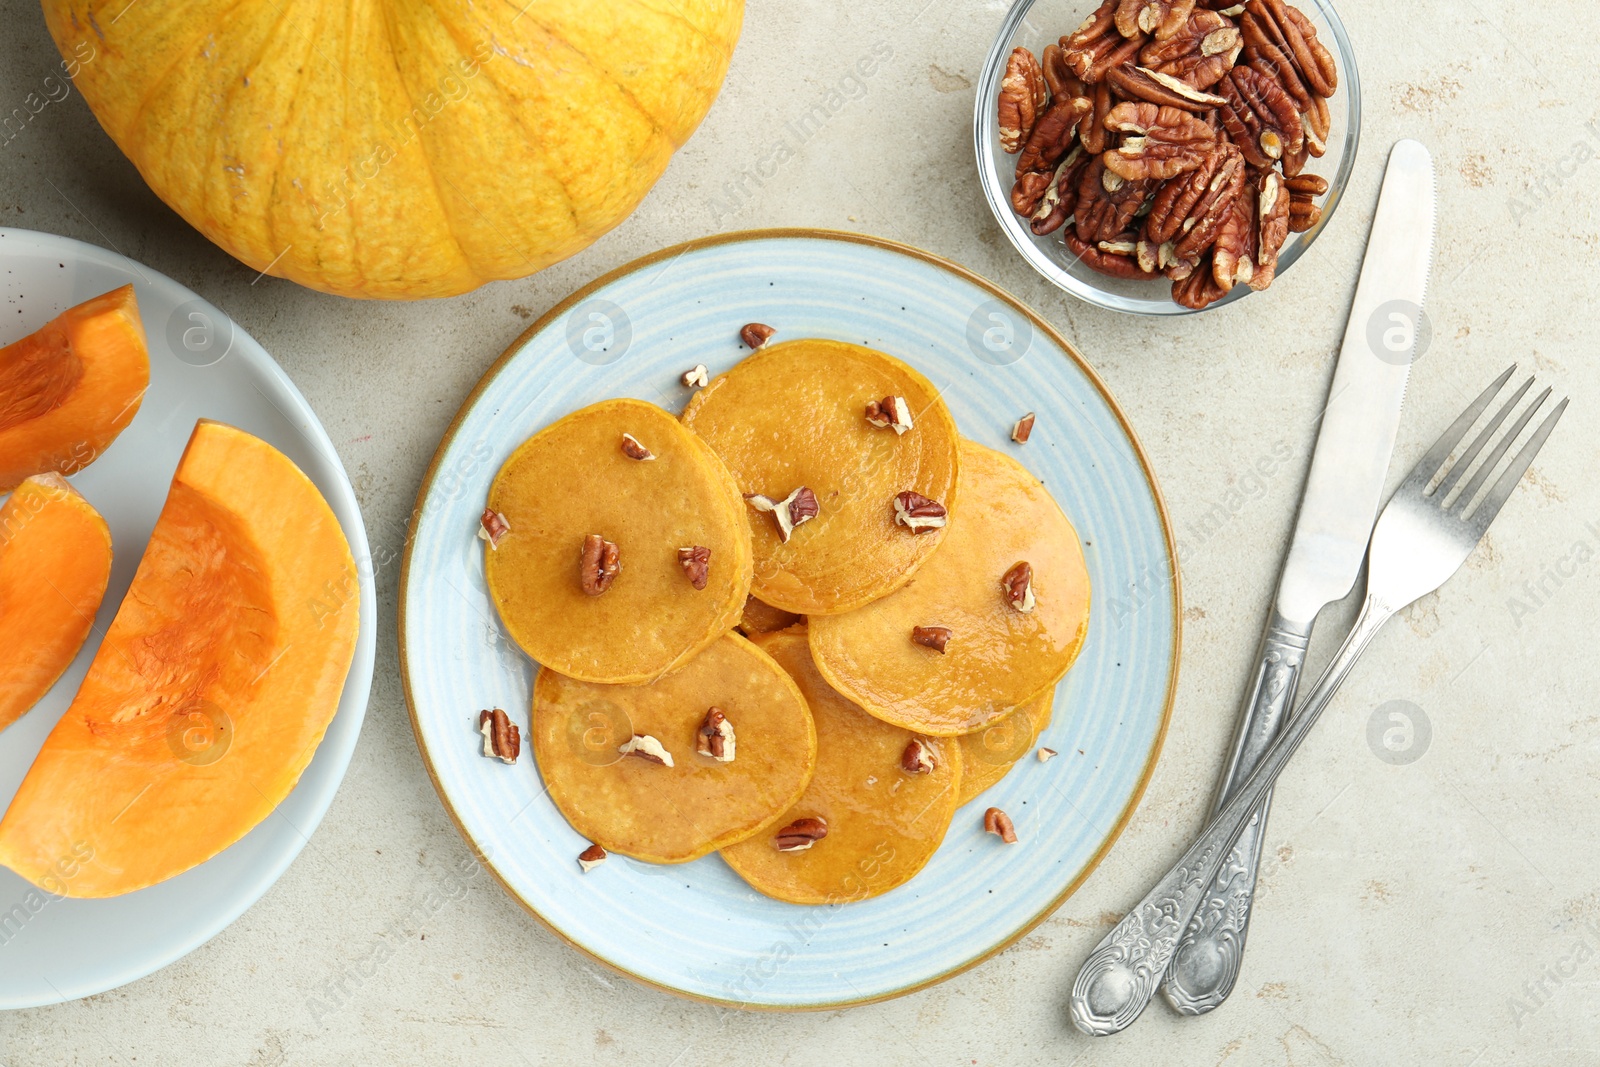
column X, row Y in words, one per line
column 1207, row 960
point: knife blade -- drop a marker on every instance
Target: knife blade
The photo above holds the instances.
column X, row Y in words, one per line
column 1349, row 464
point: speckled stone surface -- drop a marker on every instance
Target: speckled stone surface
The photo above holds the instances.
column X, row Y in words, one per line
column 1443, row 911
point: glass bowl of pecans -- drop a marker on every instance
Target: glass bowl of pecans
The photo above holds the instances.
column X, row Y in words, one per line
column 1161, row 157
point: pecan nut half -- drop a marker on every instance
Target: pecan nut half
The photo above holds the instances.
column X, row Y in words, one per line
column 1260, row 117
column 1023, row 95
column 1199, row 289
column 800, row 835
column 1162, row 18
column 1272, row 226
column 798, row 507
column 918, row 513
column 756, row 334
column 1029, row 191
column 1101, row 257
column 999, row 823
column 1154, row 87
column 918, row 757
column 1201, row 53
column 1053, row 135
column 1060, row 198
column 1233, row 259
column 492, row 526
column 1018, row 585
column 1281, row 37
column 501, row 738
column 1107, row 202
column 1303, row 190
column 696, row 563
column 1058, row 76
column 934, row 637
column 1167, row 141
column 598, row 565
column 715, row 738
column 1097, row 45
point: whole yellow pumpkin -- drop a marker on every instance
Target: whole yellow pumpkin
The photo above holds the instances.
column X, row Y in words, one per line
column 398, row 148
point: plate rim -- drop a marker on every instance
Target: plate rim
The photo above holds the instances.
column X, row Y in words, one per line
column 363, row 664
column 682, row 248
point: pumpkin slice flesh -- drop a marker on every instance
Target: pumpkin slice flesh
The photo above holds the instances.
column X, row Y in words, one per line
column 997, row 658
column 69, row 388
column 55, row 560
column 884, row 823
column 675, row 814
column 213, row 686
column 793, row 414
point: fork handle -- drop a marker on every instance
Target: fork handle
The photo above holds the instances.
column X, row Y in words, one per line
column 1120, row 975
column 1206, row 963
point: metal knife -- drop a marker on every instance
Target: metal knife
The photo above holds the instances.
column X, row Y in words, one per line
column 1337, row 511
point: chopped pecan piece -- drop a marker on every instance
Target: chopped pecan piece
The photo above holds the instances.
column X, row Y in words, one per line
column 918, row 757
column 1018, row 585
column 999, row 823
column 715, row 738
column 800, row 835
column 756, row 334
column 696, row 377
column 798, row 507
column 1168, row 141
column 1047, row 754
column 890, row 413
column 934, row 637
column 1272, row 223
column 1162, row 18
column 1201, row 53
column 598, row 565
column 492, row 526
column 1053, row 135
column 634, row 450
column 919, row 513
column 501, row 738
column 591, row 857
column 1022, row 429
column 1260, row 117
column 1023, row 95
column 1164, row 90
column 647, row 748
column 696, row 563
column 1096, row 45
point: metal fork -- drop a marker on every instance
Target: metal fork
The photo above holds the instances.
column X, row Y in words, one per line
column 1424, row 535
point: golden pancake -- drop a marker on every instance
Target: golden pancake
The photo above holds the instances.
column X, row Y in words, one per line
column 988, row 755
column 883, row 823
column 573, row 480
column 793, row 415
column 997, row 657
column 762, row 618
column 670, row 814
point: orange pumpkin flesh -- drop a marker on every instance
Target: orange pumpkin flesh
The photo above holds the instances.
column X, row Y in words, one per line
column 212, row 687
column 55, row 559
column 69, row 388
column 396, row 149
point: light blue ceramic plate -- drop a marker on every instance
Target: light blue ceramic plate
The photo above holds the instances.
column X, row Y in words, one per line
column 697, row 929
column 201, row 366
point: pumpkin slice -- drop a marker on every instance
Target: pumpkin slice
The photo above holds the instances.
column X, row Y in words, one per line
column 988, row 755
column 572, row 480
column 55, row 559
column 212, row 687
column 997, row 657
column 793, row 415
column 883, row 823
column 68, row 389
column 645, row 809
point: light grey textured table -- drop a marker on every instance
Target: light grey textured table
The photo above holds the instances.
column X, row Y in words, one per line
column 1444, row 911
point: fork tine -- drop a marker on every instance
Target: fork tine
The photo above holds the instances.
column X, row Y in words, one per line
column 1464, row 461
column 1433, row 460
column 1496, row 453
column 1485, row 512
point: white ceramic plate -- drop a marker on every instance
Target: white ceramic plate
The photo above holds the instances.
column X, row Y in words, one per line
column 696, row 928
column 201, row 366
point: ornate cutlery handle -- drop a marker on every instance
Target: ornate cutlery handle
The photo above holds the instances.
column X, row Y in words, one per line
column 1206, row 962
column 1120, row 976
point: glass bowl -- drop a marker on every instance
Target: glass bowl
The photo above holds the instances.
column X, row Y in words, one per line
column 1033, row 24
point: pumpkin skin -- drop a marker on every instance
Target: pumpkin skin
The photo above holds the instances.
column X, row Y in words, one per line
column 55, row 560
column 441, row 146
column 69, row 388
column 212, row 687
